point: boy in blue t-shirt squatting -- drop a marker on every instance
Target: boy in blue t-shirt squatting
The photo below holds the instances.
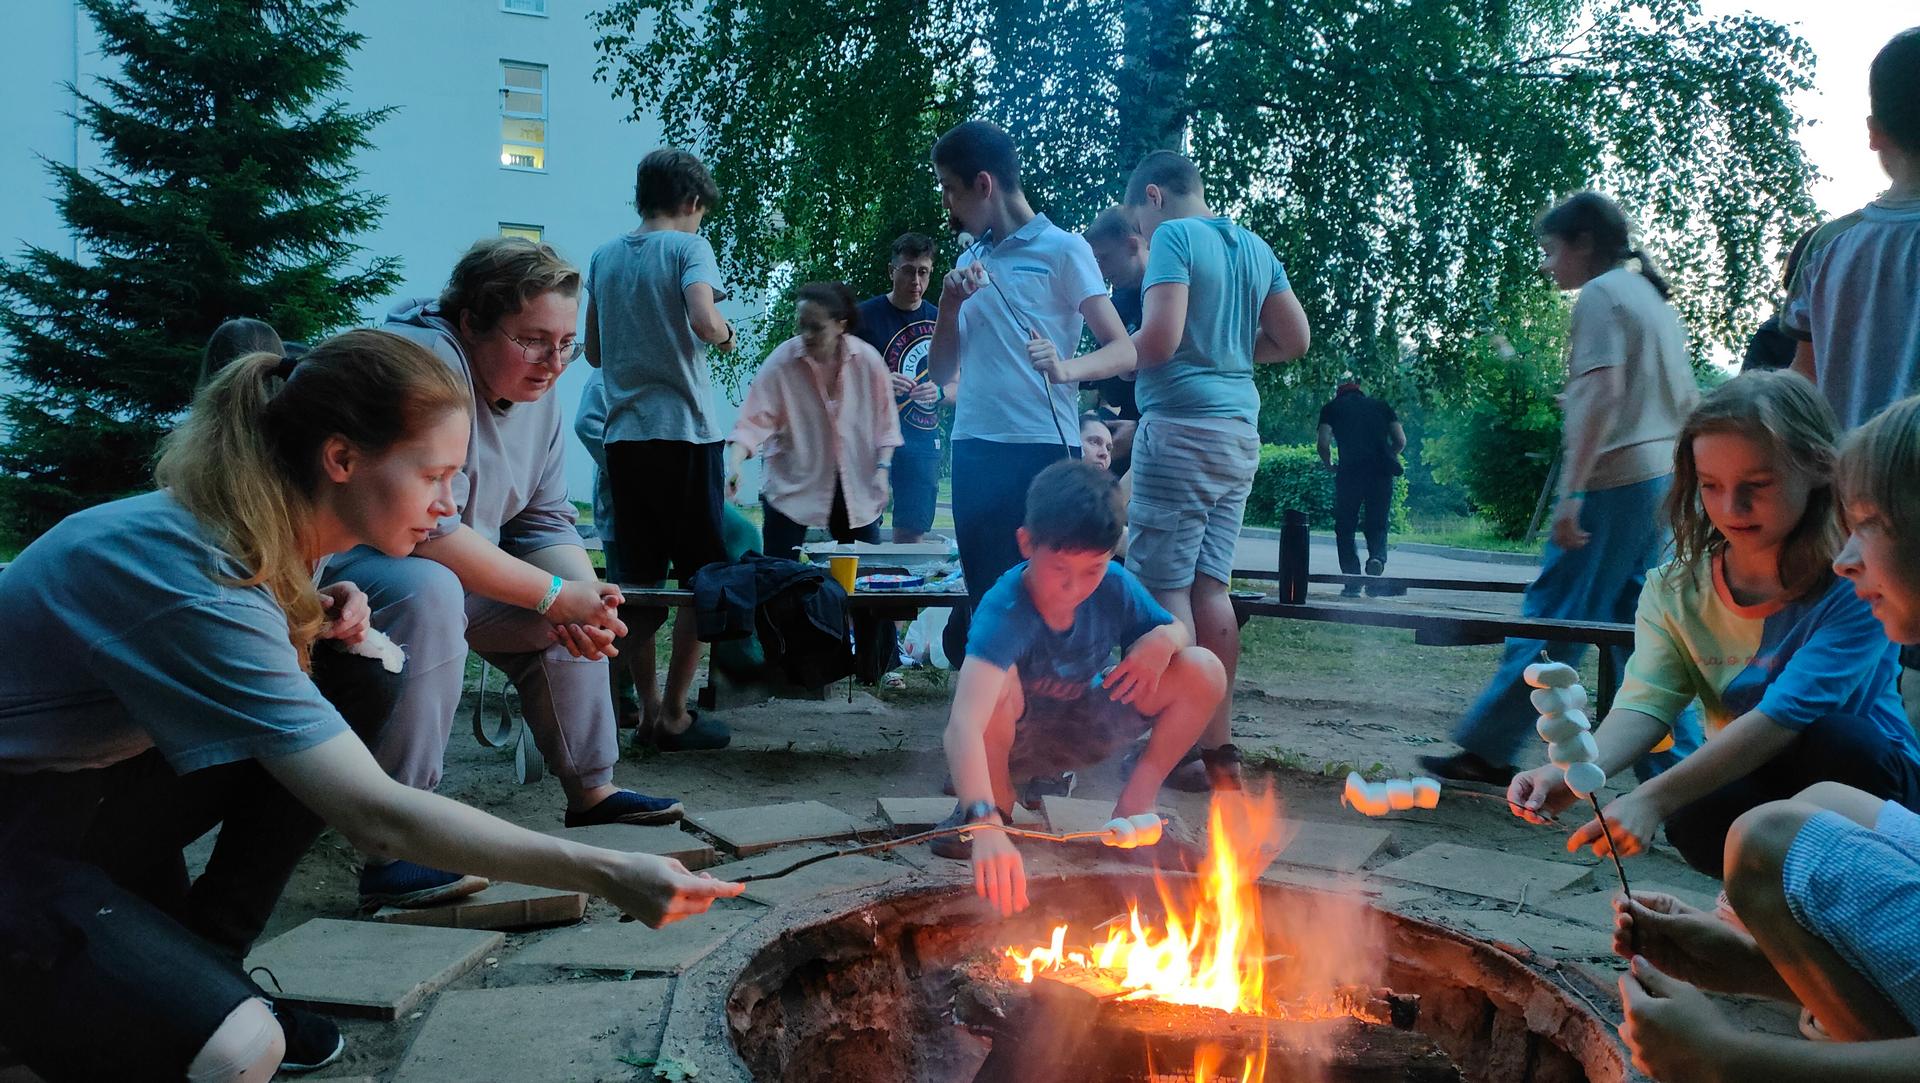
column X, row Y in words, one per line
column 1028, row 704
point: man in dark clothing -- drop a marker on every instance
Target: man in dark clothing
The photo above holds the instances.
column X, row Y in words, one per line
column 1371, row 439
column 1121, row 252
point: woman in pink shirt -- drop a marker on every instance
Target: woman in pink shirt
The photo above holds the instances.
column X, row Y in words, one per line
column 821, row 415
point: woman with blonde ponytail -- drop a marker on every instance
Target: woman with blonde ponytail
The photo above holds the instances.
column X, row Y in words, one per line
column 155, row 652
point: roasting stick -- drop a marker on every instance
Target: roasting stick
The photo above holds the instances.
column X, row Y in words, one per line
column 1123, row 833
column 1549, row 675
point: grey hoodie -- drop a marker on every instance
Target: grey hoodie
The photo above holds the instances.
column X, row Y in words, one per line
column 513, row 490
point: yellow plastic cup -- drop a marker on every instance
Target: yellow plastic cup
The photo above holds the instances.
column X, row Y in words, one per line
column 845, row 571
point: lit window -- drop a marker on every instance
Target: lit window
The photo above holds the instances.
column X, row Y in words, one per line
column 516, row 229
column 524, row 7
column 523, row 115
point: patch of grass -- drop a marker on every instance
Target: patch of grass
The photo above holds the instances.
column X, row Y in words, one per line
column 1465, row 532
column 1287, row 759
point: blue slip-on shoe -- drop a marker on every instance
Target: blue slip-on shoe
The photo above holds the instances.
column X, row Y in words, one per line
column 628, row 807
column 405, row 884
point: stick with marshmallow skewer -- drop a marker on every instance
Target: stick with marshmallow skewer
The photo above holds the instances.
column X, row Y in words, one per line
column 1564, row 726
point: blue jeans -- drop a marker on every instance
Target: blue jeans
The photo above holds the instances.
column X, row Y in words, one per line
column 1600, row 581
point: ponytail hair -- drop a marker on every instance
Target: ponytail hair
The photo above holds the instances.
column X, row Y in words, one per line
column 1782, row 412
column 1592, row 215
column 246, row 462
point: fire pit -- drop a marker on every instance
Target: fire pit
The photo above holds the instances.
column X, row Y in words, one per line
column 1133, row 976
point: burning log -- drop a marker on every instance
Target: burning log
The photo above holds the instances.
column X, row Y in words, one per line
column 1356, row 1036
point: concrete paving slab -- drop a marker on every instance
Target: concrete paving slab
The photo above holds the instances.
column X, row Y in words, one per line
column 839, row 874
column 753, row 830
column 1334, row 847
column 907, row 815
column 501, row 906
column 690, row 850
column 1542, row 935
column 575, row 1032
column 629, row 945
column 1066, row 815
column 1489, row 874
column 1596, row 907
column 369, row 969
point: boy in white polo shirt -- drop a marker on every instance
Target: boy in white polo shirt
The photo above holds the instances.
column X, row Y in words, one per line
column 1026, row 287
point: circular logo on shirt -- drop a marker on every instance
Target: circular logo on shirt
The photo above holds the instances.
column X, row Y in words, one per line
column 906, row 354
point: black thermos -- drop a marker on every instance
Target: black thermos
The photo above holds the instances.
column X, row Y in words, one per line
column 1293, row 558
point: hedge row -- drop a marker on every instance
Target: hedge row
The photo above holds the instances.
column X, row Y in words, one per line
column 1291, row 476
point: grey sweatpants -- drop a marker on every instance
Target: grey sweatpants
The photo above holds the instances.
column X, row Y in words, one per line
column 422, row 605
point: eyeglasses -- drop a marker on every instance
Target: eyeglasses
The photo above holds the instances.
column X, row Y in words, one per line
column 544, row 353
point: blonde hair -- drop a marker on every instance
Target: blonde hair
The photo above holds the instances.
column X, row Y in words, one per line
column 1879, row 467
column 1782, row 412
column 246, row 460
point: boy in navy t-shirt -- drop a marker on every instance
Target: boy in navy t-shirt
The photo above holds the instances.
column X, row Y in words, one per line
column 1035, row 696
column 899, row 324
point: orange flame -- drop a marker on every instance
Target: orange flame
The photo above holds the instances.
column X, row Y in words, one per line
column 1210, row 953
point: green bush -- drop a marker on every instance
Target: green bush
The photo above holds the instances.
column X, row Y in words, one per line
column 1290, row 477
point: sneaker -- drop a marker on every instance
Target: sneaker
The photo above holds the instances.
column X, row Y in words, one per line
column 895, row 680
column 405, row 884
column 1468, row 767
column 313, row 1041
column 1351, row 590
column 628, row 807
column 703, row 735
column 956, row 847
column 1375, row 566
column 1223, row 767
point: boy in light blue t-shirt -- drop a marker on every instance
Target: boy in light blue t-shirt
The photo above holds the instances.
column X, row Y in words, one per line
column 1034, row 695
column 1217, row 302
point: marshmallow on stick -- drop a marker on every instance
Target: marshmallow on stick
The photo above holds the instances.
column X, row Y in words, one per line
column 1129, row 832
column 1394, row 795
column 1563, row 724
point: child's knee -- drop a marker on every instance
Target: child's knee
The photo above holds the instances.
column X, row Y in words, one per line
column 1199, row 671
column 1757, row 848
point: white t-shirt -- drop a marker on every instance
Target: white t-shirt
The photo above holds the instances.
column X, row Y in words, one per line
column 1628, row 377
column 1046, row 273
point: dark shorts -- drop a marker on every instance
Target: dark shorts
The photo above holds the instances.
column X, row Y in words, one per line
column 95, row 983
column 667, row 507
column 1055, row 735
column 916, row 487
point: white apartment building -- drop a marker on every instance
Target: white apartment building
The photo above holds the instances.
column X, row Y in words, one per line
column 498, row 127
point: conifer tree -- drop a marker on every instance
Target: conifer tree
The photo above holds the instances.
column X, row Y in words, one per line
column 226, row 189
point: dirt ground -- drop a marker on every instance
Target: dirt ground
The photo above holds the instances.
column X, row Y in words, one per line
column 1313, row 701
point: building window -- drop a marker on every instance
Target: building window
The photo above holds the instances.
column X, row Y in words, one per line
column 517, row 229
column 524, row 7
column 523, row 115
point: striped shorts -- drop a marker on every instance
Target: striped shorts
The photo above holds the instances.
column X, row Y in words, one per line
column 1859, row 891
column 1191, row 478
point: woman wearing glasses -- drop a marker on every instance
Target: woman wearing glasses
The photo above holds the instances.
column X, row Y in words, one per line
column 507, row 575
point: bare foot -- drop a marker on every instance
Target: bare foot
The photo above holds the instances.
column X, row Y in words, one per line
column 1693, row 945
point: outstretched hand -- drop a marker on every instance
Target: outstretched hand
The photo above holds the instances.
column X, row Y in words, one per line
column 659, row 890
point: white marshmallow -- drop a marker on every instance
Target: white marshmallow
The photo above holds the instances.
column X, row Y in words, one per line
column 1426, row 793
column 1564, row 726
column 1585, row 778
column 1400, row 794
column 1555, row 700
column 376, row 645
column 1580, row 749
column 1551, row 675
column 1366, row 798
column 1147, row 827
column 1120, row 833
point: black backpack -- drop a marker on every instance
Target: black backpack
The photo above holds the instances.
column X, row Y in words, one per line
column 798, row 611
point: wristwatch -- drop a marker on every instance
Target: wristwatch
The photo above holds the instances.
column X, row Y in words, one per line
column 979, row 812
